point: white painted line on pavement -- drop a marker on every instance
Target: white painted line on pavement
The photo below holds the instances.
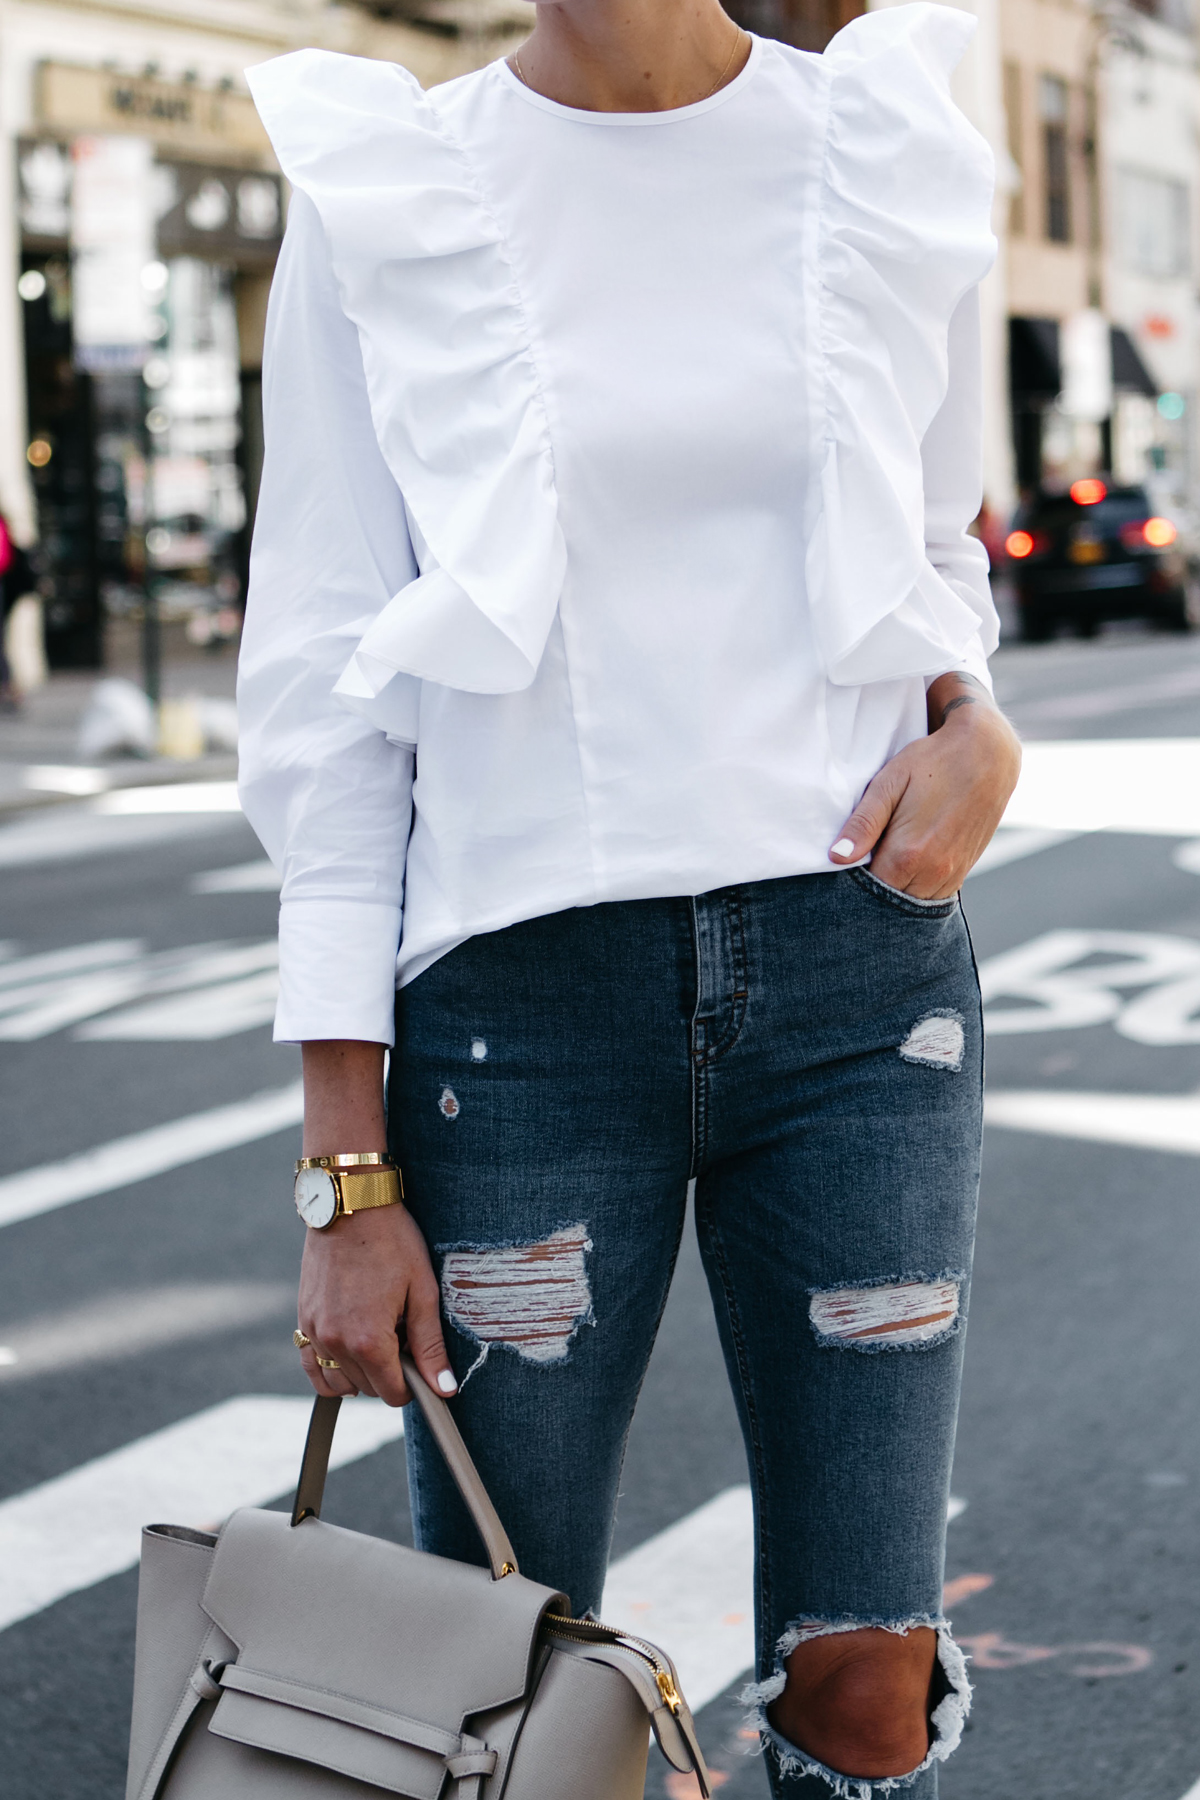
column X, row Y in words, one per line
column 69, row 832
column 1141, row 1121
column 172, row 797
column 1193, row 1792
column 145, row 1153
column 260, row 877
column 691, row 1589
column 84, row 1526
column 1011, row 844
column 131, row 1323
column 1142, row 785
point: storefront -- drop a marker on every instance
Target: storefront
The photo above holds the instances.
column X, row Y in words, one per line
column 149, row 226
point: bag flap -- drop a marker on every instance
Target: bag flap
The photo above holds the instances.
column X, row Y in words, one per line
column 390, row 1627
column 359, row 1741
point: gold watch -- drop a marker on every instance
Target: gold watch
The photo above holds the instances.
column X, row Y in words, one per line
column 333, row 1187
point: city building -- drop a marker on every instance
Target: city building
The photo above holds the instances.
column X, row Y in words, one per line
column 1101, row 114
column 140, row 215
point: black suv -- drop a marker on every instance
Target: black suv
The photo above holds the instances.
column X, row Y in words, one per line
column 1096, row 552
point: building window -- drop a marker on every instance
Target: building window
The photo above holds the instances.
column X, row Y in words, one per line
column 1052, row 97
column 1012, row 115
column 1152, row 223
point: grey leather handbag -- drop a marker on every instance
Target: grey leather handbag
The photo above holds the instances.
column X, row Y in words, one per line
column 292, row 1660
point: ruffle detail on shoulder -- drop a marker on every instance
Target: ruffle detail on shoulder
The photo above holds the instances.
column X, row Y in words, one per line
column 905, row 233
column 422, row 272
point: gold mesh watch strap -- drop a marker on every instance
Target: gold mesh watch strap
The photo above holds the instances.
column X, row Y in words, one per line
column 364, row 1188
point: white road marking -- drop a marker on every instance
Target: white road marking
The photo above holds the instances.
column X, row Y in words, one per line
column 65, row 778
column 212, row 1012
column 129, row 1324
column 1068, row 988
column 1140, row 785
column 691, row 1589
column 1193, row 1792
column 172, row 797
column 84, row 1526
column 235, row 990
column 1140, row 1121
column 260, row 877
column 64, row 833
column 1011, row 843
column 144, row 1153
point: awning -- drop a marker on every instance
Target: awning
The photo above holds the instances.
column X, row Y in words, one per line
column 1033, row 360
column 1130, row 373
column 1035, row 368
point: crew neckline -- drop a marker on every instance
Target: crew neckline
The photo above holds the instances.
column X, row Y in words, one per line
column 664, row 116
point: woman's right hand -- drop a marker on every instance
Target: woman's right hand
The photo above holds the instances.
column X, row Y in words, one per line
column 363, row 1280
column 366, row 1281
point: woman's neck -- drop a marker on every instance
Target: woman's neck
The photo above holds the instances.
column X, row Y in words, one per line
column 630, row 55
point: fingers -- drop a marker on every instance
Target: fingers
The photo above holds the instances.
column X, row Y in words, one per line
column 870, row 818
column 423, row 1329
column 331, row 1384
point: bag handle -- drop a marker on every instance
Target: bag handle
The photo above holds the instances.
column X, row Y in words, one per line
column 315, row 1466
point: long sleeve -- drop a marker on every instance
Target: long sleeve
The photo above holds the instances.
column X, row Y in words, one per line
column 327, row 792
column 952, row 464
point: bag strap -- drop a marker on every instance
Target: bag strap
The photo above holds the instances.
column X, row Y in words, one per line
column 315, row 1466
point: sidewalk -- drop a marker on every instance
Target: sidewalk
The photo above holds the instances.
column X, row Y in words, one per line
column 39, row 760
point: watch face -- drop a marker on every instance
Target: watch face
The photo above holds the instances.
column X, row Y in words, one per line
column 316, row 1197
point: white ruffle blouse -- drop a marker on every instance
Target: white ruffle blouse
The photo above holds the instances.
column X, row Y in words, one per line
column 617, row 482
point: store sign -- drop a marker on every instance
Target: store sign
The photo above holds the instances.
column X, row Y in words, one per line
column 1086, row 350
column 223, row 214
column 112, row 244
column 230, row 215
column 191, row 119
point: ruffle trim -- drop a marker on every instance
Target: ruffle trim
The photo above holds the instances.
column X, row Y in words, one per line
column 455, row 400
column 905, row 233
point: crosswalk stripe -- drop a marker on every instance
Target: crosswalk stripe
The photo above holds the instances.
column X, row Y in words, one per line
column 1141, row 1121
column 86, row 1525
column 691, row 1590
column 145, row 1153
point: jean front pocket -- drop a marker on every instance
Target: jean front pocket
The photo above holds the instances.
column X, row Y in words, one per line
column 912, row 904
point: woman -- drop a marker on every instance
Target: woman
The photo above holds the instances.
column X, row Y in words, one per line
column 612, row 608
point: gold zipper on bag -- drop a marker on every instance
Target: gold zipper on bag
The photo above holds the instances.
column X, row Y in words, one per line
column 581, row 1630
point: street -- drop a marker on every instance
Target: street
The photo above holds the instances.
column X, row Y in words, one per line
column 148, row 1251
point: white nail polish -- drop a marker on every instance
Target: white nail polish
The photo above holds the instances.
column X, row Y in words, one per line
column 447, row 1383
column 843, row 847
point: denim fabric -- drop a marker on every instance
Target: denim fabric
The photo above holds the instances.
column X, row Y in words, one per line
column 810, row 1051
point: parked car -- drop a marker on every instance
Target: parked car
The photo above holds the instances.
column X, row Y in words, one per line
column 1096, row 552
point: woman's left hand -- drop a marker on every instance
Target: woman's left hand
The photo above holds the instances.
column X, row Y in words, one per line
column 929, row 814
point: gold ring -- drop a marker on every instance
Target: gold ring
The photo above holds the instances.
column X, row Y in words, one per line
column 298, row 1338
column 327, row 1362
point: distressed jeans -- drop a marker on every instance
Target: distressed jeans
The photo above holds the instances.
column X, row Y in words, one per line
column 809, row 1051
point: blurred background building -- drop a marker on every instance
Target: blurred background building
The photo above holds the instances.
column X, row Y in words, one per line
column 141, row 213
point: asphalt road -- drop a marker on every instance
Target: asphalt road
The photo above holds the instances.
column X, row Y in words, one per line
column 1072, row 1567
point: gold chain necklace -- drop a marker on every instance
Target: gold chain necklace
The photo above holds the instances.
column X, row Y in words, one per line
column 737, row 38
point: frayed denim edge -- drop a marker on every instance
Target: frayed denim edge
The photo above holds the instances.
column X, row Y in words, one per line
column 948, row 1717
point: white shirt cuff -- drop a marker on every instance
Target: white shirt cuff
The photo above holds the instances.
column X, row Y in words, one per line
column 337, row 970
column 971, row 662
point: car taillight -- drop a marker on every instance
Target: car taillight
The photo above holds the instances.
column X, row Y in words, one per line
column 1148, row 534
column 1020, row 544
column 1088, row 492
